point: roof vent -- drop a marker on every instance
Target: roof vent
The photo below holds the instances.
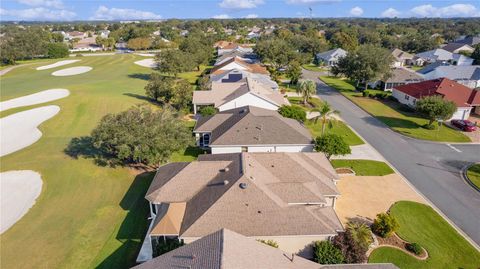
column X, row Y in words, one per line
column 243, row 185
column 243, row 110
column 259, row 212
column 226, row 169
column 225, row 182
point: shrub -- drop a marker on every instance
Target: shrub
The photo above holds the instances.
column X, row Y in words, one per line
column 207, row 111
column 429, row 126
column 360, row 233
column 352, row 250
column 365, row 93
column 332, row 144
column 167, row 245
column 293, row 112
column 371, row 95
column 415, row 248
column 57, row 50
column 324, row 252
column 271, row 243
column 384, row 225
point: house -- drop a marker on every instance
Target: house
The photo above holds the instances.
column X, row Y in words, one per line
column 458, row 47
column 76, row 34
column 226, row 46
column 86, row 44
column 468, row 75
column 104, row 33
column 469, row 40
column 399, row 76
column 331, row 57
column 402, row 58
column 442, row 55
column 466, row 99
column 245, row 56
column 253, row 35
column 251, row 129
column 240, row 64
column 237, row 75
column 225, row 96
column 285, row 197
column 429, row 68
column 226, row 249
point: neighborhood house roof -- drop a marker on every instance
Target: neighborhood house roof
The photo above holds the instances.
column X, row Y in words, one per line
column 429, row 68
column 401, row 55
column 404, row 75
column 238, row 75
column 452, row 47
column 332, row 54
column 461, row 95
column 250, row 67
column 247, row 56
column 253, row 126
column 443, row 55
column 256, row 194
column 455, row 72
column 471, row 40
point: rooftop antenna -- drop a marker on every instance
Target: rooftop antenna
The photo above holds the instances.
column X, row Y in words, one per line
column 311, row 12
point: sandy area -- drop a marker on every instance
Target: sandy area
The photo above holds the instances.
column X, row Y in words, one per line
column 20, row 130
column 57, row 64
column 146, row 63
column 146, row 54
column 366, row 196
column 72, row 71
column 33, row 99
column 18, row 192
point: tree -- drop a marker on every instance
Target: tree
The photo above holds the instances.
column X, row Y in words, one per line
column 435, row 107
column 294, row 72
column 204, row 83
column 168, row 90
column 141, row 135
column 293, row 112
column 57, row 50
column 182, row 94
column 207, row 111
column 325, row 110
column 331, row 144
column 306, row 89
column 139, row 43
column 324, row 252
column 360, row 233
column 173, row 61
column 200, row 53
column 385, row 224
column 275, row 51
column 476, row 55
column 351, row 250
column 345, row 41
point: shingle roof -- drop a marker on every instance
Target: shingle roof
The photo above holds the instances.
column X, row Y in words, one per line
column 335, row 53
column 457, row 72
column 436, row 55
column 429, row 68
column 234, row 75
column 471, row 40
column 401, row 55
column 404, row 75
column 360, row 266
column 452, row 47
column 211, row 187
column 253, row 126
column 250, row 67
column 235, row 53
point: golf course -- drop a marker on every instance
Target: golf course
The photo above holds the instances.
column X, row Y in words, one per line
column 87, row 216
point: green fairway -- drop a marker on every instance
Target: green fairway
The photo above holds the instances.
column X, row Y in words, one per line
column 421, row 224
column 338, row 128
column 315, row 68
column 390, row 113
column 473, row 174
column 364, row 167
column 87, row 216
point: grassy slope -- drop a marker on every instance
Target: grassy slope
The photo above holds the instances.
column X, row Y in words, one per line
column 314, row 68
column 364, row 167
column 405, row 123
column 473, row 174
column 338, row 128
column 420, row 223
column 87, row 216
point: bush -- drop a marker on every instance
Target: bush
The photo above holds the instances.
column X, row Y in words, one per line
column 57, row 50
column 332, row 144
column 384, row 225
column 429, row 126
column 415, row 248
column 207, row 111
column 365, row 93
column 293, row 112
column 324, row 252
column 353, row 251
column 271, row 243
column 168, row 245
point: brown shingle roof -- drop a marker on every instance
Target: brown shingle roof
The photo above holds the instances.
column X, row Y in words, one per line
column 253, row 68
column 403, row 75
column 401, row 55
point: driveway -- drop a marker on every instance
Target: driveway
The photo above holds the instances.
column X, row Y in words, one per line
column 433, row 168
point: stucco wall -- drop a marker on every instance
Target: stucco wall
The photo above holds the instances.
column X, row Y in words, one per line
column 260, row 148
column 247, row 100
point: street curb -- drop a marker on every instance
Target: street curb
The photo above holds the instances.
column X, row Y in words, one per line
column 464, row 176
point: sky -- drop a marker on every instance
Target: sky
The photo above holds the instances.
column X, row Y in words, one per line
column 68, row 10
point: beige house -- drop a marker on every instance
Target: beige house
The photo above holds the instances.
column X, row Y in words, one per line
column 286, row 197
column 402, row 58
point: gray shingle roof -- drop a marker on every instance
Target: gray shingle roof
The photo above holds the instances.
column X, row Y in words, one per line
column 403, row 75
column 454, row 72
column 332, row 54
column 454, row 46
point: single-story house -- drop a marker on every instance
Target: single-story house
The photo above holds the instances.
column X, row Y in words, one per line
column 224, row 96
column 469, row 40
column 430, row 67
column 466, row 99
column 251, row 129
column 236, row 76
column 286, row 197
column 224, row 47
column 245, row 56
column 240, row 64
column 458, row 47
column 226, row 249
column 331, row 57
column 76, row 34
column 399, row 76
column 468, row 75
column 442, row 55
column 402, row 58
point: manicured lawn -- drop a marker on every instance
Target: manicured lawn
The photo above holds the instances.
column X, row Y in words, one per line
column 473, row 174
column 314, row 102
column 87, row 216
column 421, row 224
column 312, row 67
column 288, row 87
column 338, row 128
column 390, row 113
column 364, row 167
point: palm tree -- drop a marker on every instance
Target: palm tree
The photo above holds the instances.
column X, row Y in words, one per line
column 325, row 110
column 306, row 89
column 360, row 233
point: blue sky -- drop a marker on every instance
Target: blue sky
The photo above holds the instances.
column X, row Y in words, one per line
column 58, row 10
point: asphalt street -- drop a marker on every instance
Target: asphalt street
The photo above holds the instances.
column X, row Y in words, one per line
column 432, row 168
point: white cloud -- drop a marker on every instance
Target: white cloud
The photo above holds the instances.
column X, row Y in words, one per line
column 43, row 3
column 456, row 10
column 38, row 14
column 251, row 16
column 390, row 13
column 221, row 16
column 105, row 13
column 240, row 4
column 356, row 11
column 308, row 2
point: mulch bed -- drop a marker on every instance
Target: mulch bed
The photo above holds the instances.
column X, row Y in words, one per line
column 397, row 242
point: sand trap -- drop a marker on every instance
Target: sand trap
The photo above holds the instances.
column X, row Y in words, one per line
column 18, row 192
column 33, row 99
column 146, row 54
column 20, row 129
column 57, row 64
column 147, row 63
column 72, row 71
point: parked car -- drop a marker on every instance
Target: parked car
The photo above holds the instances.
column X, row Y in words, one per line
column 464, row 125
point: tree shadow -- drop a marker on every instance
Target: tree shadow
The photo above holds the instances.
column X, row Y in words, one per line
column 83, row 147
column 141, row 76
column 397, row 122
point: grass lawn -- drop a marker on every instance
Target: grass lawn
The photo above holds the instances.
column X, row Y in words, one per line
column 289, row 87
column 406, row 123
column 473, row 174
column 87, row 216
column 313, row 101
column 421, row 224
column 364, row 167
column 315, row 68
column 338, row 128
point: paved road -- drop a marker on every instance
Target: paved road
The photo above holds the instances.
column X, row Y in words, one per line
column 433, row 168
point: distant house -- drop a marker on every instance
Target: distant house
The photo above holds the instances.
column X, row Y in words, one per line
column 225, row 249
column 399, row 76
column 245, row 56
column 240, row 64
column 442, row 55
column 469, row 40
column 86, row 44
column 225, row 47
column 430, row 67
column 468, row 75
column 458, row 47
column 466, row 99
column 237, row 75
column 76, row 34
column 225, row 96
column 331, row 57
column 104, row 33
column 402, row 58
column 285, row 197
column 251, row 129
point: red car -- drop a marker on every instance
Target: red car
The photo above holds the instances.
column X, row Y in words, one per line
column 464, row 125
